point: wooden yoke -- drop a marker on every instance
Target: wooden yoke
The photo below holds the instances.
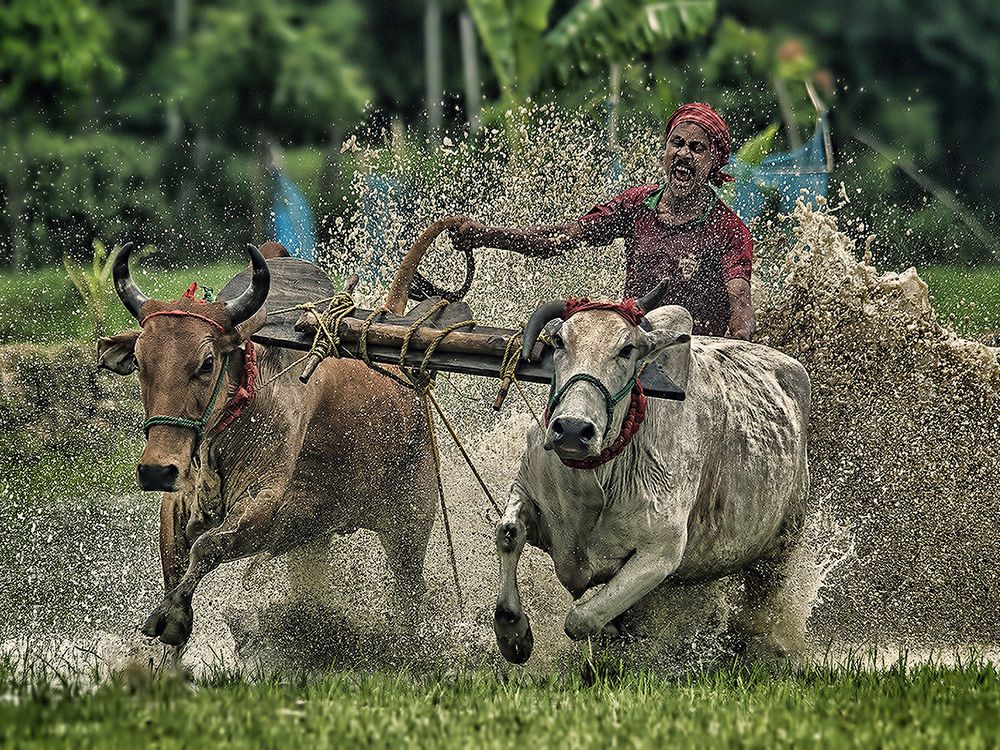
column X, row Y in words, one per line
column 475, row 350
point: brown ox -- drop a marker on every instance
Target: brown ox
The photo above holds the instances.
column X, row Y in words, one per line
column 300, row 463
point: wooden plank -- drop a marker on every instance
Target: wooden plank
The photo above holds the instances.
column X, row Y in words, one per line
column 654, row 382
column 470, row 339
column 296, row 282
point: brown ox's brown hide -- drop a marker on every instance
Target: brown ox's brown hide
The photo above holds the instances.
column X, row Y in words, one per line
column 348, row 450
column 274, row 250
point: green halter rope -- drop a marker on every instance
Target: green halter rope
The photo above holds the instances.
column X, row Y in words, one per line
column 610, row 401
column 197, row 425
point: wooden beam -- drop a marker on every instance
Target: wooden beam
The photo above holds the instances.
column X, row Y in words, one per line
column 477, row 350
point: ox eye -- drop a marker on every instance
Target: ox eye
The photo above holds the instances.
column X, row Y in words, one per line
column 557, row 341
column 626, row 351
column 207, row 366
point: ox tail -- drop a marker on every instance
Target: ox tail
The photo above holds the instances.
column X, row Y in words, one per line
column 399, row 292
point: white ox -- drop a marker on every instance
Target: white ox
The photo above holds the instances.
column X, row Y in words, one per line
column 709, row 486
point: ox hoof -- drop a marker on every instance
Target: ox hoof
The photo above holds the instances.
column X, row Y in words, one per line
column 514, row 636
column 580, row 624
column 170, row 622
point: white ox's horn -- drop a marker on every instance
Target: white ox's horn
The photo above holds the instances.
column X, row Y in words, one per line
column 542, row 315
column 654, row 297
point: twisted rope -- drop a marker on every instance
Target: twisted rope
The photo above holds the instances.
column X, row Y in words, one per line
column 338, row 307
column 508, row 371
column 444, row 506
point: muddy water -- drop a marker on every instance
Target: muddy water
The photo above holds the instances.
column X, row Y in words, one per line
column 904, row 531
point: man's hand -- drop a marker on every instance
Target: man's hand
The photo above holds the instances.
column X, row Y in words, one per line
column 742, row 319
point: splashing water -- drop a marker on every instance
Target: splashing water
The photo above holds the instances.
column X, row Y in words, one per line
column 904, row 443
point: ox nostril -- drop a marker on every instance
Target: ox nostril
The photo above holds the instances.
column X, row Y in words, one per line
column 158, row 477
column 573, row 431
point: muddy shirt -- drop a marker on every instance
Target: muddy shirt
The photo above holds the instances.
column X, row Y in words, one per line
column 698, row 257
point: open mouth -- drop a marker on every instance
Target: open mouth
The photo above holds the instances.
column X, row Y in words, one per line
column 682, row 174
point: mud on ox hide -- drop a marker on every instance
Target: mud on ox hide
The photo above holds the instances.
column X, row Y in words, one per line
column 707, row 487
column 270, row 471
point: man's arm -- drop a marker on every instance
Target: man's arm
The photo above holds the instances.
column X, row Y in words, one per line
column 536, row 242
column 742, row 320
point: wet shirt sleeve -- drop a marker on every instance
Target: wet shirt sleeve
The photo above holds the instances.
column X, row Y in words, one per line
column 605, row 222
column 737, row 257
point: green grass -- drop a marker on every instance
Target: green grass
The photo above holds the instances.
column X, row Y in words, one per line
column 43, row 307
column 971, row 296
column 927, row 706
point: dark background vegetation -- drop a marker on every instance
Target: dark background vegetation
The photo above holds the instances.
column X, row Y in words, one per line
column 154, row 120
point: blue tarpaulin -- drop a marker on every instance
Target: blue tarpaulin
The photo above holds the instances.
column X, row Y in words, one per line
column 806, row 167
column 293, row 221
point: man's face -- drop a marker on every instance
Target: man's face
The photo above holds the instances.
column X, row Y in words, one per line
column 688, row 159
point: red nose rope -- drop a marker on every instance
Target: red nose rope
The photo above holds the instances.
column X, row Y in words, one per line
column 628, row 309
column 244, row 393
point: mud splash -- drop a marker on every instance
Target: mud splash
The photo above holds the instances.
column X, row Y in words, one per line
column 904, row 450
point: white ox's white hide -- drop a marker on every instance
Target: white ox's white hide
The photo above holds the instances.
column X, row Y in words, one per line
column 709, row 486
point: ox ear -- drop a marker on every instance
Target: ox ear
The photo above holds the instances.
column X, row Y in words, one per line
column 117, row 353
column 551, row 329
column 671, row 350
column 653, row 343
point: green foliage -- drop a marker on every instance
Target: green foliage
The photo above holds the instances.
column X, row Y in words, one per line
column 94, row 283
column 967, row 297
column 754, row 150
column 83, row 187
column 44, row 307
column 750, row 154
column 526, row 48
column 593, row 33
column 254, row 67
column 50, row 48
column 921, row 75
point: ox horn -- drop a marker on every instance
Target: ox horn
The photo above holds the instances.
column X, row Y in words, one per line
column 539, row 318
column 652, row 300
column 241, row 308
column 128, row 291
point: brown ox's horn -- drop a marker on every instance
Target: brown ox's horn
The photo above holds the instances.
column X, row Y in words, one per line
column 539, row 318
column 250, row 301
column 652, row 300
column 128, row 291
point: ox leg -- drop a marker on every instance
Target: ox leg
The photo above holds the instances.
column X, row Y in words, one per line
column 643, row 572
column 772, row 621
column 244, row 532
column 174, row 550
column 510, row 623
column 174, row 546
column 405, row 549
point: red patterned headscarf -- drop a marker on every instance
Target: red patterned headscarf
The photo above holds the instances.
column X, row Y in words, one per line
column 712, row 123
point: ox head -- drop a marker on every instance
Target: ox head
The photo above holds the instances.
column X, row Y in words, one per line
column 598, row 355
column 182, row 356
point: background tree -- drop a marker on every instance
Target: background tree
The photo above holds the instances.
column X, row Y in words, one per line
column 53, row 55
column 527, row 49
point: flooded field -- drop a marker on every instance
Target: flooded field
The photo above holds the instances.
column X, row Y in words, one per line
column 905, row 460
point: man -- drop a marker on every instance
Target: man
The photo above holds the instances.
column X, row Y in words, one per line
column 680, row 230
